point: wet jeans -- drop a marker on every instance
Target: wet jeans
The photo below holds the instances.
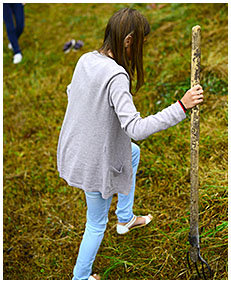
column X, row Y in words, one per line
column 97, row 218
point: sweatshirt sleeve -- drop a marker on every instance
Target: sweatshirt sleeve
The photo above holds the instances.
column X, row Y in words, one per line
column 132, row 123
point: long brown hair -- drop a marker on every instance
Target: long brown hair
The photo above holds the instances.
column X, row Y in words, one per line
column 124, row 22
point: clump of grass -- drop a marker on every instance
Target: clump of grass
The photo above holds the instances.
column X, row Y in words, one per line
column 44, row 219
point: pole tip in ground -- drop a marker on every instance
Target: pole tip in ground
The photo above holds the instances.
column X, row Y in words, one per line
column 196, row 28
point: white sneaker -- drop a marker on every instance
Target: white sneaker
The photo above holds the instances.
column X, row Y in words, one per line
column 17, row 58
column 10, row 46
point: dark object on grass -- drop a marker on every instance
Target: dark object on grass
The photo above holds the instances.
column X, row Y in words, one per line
column 68, row 46
column 72, row 44
column 78, row 45
column 194, row 237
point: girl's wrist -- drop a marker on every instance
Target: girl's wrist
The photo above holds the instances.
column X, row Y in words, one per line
column 182, row 105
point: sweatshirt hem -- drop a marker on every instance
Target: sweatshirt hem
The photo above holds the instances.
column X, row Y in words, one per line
column 80, row 186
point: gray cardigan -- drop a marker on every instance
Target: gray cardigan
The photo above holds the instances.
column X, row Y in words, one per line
column 94, row 148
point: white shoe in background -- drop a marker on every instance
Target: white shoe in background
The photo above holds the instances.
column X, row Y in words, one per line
column 10, row 46
column 17, row 58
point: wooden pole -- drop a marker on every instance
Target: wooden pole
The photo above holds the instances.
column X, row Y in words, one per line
column 195, row 132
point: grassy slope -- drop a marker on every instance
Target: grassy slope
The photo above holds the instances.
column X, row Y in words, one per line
column 44, row 218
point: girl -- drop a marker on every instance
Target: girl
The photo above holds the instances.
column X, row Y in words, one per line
column 95, row 152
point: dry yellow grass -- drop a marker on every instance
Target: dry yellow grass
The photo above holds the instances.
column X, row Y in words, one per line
column 44, row 219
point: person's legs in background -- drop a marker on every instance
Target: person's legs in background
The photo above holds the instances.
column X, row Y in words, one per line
column 13, row 33
column 97, row 218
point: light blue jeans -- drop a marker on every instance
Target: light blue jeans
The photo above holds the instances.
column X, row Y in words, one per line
column 97, row 218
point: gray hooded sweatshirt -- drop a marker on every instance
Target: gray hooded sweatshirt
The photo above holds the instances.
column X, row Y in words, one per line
column 94, row 148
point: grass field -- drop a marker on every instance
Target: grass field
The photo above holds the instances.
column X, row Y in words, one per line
column 44, row 219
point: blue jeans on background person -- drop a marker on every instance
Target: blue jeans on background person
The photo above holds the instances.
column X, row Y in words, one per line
column 14, row 31
column 97, row 218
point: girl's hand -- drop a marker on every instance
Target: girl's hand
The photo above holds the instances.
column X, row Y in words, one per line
column 193, row 97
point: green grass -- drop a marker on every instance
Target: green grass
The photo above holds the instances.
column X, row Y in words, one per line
column 44, row 219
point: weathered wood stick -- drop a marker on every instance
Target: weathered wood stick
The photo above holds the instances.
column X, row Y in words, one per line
column 195, row 130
